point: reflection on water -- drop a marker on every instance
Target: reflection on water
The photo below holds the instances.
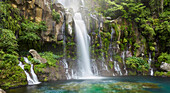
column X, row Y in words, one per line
column 128, row 84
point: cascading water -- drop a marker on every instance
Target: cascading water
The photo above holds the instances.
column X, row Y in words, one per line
column 110, row 46
column 117, row 68
column 31, row 80
column 66, row 67
column 116, row 64
column 82, row 47
column 64, row 52
column 104, row 66
column 150, row 62
column 94, row 67
column 123, row 58
column 84, row 66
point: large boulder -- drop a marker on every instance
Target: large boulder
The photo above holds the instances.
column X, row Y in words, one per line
column 165, row 66
column 2, row 91
column 37, row 56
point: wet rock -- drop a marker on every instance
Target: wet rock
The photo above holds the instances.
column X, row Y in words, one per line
column 128, row 54
column 69, row 20
column 2, row 91
column 38, row 17
column 19, row 1
column 31, row 4
column 58, row 7
column 37, row 56
column 108, row 18
column 41, row 10
column 40, row 3
column 14, row 5
column 165, row 66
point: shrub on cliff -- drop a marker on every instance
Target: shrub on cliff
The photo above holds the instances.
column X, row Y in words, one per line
column 56, row 16
column 137, row 63
column 164, row 57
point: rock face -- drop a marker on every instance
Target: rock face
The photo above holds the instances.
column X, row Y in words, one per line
column 2, row 91
column 37, row 56
column 41, row 10
column 165, row 66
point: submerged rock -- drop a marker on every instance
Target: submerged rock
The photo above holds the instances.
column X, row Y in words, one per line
column 37, row 56
column 165, row 66
column 120, row 87
column 2, row 91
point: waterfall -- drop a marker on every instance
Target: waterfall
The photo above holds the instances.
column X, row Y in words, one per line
column 84, row 66
column 150, row 62
column 31, row 80
column 124, row 64
column 117, row 68
column 104, row 66
column 82, row 47
column 110, row 46
column 66, row 67
column 116, row 64
column 64, row 52
column 94, row 67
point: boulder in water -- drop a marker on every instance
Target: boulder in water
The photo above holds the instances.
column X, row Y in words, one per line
column 37, row 56
column 2, row 91
column 165, row 66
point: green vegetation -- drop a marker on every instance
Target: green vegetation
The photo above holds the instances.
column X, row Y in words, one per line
column 56, row 16
column 141, row 26
column 137, row 63
column 17, row 34
column 51, row 58
column 11, row 75
column 157, row 73
column 164, row 57
column 151, row 17
column 8, row 41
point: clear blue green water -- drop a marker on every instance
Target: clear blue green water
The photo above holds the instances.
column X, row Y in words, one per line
column 125, row 84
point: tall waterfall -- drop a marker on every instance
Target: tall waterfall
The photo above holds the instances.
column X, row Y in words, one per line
column 82, row 46
column 84, row 67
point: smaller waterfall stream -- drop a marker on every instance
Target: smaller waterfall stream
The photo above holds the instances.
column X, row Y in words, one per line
column 124, row 64
column 64, row 61
column 29, row 79
column 32, row 79
column 150, row 62
column 117, row 68
column 116, row 64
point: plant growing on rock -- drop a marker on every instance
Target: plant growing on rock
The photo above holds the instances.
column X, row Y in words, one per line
column 56, row 16
column 164, row 57
column 137, row 63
